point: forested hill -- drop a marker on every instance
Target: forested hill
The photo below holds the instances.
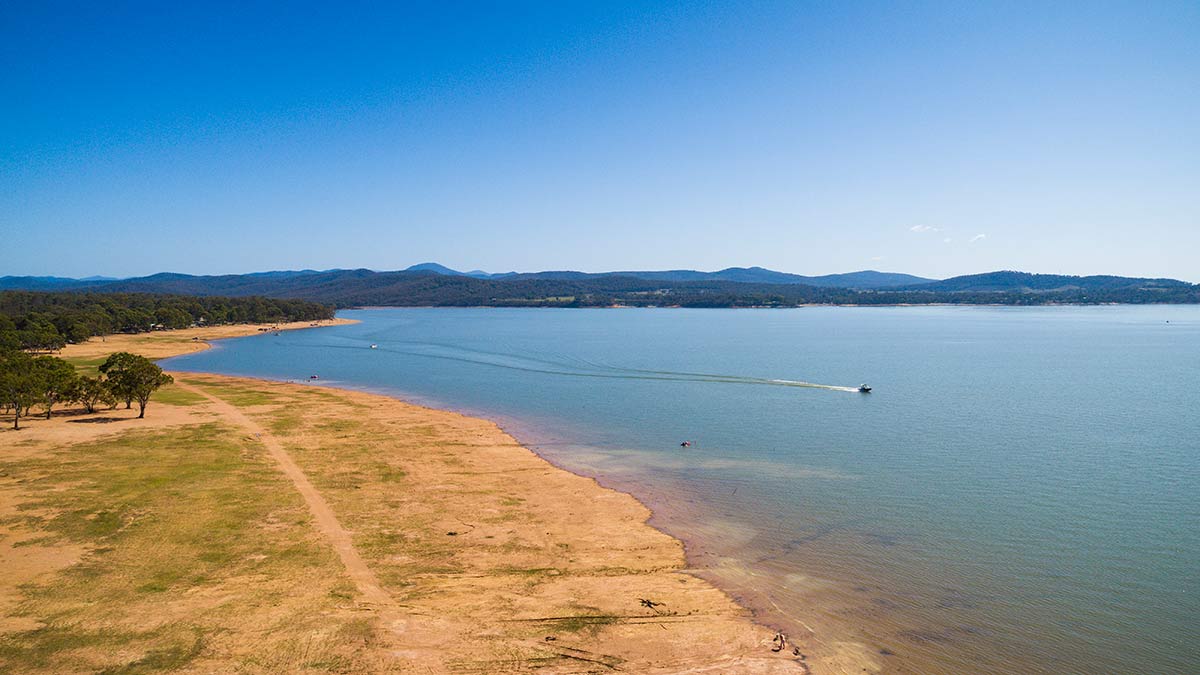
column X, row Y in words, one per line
column 864, row 280
column 349, row 288
column 46, row 321
column 1039, row 283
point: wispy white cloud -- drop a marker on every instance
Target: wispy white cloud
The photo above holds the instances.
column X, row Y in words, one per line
column 978, row 237
column 947, row 240
column 923, row 228
column 877, row 258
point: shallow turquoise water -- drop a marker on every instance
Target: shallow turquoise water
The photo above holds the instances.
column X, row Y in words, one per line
column 1021, row 493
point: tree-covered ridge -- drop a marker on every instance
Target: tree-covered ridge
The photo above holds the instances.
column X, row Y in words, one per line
column 1012, row 281
column 357, row 288
column 47, row 321
column 434, row 285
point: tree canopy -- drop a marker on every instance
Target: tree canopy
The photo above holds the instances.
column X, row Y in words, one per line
column 92, row 391
column 27, row 381
column 56, row 380
column 19, row 383
column 47, row 321
column 133, row 377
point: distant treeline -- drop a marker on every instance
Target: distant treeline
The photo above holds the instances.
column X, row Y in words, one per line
column 425, row 289
column 47, row 321
column 358, row 288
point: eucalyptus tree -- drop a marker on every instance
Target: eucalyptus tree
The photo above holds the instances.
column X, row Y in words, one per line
column 57, row 381
column 134, row 377
column 92, row 391
column 19, row 382
column 115, row 367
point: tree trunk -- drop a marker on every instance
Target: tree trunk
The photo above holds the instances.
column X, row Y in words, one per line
column 141, row 409
column 17, row 417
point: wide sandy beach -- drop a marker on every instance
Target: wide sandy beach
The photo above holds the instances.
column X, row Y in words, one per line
column 253, row 526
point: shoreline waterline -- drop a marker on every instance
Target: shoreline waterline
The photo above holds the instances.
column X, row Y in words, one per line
column 828, row 645
column 819, row 654
column 520, row 559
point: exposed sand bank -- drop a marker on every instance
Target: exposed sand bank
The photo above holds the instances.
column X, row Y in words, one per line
column 167, row 343
column 438, row 544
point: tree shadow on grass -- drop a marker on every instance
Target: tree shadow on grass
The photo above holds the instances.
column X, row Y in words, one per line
column 100, row 420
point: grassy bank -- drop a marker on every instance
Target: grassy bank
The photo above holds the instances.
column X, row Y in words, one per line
column 179, row 544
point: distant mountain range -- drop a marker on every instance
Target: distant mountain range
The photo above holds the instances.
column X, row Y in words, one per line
column 47, row 283
column 757, row 275
column 750, row 275
column 434, row 284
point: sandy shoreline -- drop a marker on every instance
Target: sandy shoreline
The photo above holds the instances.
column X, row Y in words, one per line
column 167, row 343
column 499, row 551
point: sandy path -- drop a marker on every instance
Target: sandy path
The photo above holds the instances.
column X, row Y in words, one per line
column 364, row 579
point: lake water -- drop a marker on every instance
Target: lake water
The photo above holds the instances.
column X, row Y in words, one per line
column 1020, row 493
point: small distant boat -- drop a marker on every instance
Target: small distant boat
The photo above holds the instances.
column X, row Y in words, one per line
column 313, row 377
column 864, row 389
column 374, row 346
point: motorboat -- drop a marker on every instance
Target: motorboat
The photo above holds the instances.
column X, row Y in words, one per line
column 864, row 389
column 374, row 346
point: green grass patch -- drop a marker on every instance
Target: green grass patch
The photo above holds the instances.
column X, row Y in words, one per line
column 172, row 395
column 389, row 474
column 343, row 590
column 586, row 619
column 163, row 659
column 286, row 423
column 529, row 571
column 239, row 395
column 164, row 513
column 87, row 366
column 339, row 425
column 55, row 644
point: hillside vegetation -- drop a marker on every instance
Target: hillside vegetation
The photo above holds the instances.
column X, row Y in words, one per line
column 429, row 287
column 47, row 321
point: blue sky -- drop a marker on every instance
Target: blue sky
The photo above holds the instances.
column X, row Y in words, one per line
column 930, row 138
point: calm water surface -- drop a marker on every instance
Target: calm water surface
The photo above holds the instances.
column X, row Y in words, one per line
column 1021, row 493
